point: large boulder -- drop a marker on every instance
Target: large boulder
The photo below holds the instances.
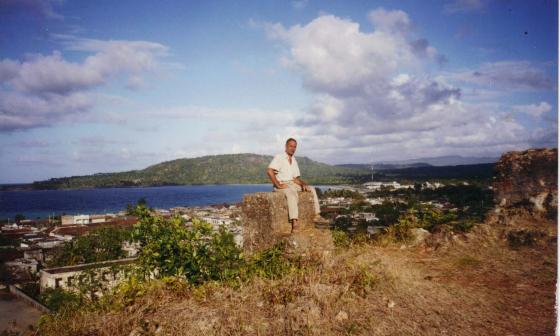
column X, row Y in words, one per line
column 265, row 224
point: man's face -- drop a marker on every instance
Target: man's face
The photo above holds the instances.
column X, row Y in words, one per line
column 291, row 147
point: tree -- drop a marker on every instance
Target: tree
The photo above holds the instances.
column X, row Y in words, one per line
column 102, row 244
column 141, row 208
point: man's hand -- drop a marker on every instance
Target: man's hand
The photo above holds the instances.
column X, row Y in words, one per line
column 305, row 187
column 281, row 186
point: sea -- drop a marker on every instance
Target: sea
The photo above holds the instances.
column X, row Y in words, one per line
column 38, row 204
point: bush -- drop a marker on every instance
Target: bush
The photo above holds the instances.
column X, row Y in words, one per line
column 60, row 300
column 199, row 254
column 400, row 232
column 340, row 238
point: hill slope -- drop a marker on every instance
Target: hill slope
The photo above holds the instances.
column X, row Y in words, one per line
column 480, row 286
column 216, row 169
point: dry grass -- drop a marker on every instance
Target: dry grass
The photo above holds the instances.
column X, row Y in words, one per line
column 477, row 287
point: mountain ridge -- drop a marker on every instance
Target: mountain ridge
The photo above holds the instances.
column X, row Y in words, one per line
column 246, row 168
column 249, row 168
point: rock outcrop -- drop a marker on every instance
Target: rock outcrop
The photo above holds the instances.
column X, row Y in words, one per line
column 526, row 195
column 265, row 224
column 527, row 178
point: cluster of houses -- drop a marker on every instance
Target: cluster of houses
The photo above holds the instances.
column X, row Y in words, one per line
column 334, row 206
column 38, row 242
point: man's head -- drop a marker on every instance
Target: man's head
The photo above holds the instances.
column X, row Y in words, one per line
column 291, row 145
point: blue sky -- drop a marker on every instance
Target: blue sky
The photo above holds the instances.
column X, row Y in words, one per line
column 102, row 86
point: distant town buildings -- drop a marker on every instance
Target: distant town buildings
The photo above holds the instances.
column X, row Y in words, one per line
column 378, row 185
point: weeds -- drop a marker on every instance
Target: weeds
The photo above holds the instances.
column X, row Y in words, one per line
column 340, row 238
column 467, row 262
column 524, row 238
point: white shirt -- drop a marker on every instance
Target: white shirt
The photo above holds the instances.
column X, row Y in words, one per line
column 284, row 170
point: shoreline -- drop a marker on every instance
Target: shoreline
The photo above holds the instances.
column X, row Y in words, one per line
column 103, row 200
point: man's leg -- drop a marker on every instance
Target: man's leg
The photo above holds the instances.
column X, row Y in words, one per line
column 315, row 201
column 318, row 219
column 292, row 197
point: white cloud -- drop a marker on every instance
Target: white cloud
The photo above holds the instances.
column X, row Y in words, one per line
column 335, row 57
column 535, row 110
column 374, row 98
column 389, row 21
column 54, row 74
column 517, row 75
column 20, row 111
column 464, row 6
column 41, row 90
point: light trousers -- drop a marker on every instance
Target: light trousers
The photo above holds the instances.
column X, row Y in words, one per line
column 291, row 193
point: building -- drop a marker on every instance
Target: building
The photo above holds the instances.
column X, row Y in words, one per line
column 85, row 219
column 21, row 269
column 67, row 277
column 379, row 185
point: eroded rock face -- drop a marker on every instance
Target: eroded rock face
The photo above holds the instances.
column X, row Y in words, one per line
column 527, row 178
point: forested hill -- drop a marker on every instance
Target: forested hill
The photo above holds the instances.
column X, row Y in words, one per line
column 216, row 169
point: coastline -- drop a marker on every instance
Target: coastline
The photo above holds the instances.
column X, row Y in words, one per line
column 41, row 204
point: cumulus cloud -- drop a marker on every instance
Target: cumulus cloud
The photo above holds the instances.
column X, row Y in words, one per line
column 389, row 21
column 336, row 57
column 41, row 90
column 372, row 96
column 519, row 75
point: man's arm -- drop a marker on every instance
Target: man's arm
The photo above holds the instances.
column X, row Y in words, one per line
column 272, row 176
column 302, row 184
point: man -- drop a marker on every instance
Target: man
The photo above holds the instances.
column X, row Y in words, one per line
column 283, row 171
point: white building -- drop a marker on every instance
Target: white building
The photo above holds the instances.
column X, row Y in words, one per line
column 22, row 265
column 85, row 219
column 67, row 276
column 394, row 185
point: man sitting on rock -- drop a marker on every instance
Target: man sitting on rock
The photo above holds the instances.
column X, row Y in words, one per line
column 284, row 174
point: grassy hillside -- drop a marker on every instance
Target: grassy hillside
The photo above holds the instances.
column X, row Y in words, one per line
column 478, row 285
column 216, row 169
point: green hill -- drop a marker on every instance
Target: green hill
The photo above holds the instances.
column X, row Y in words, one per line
column 215, row 169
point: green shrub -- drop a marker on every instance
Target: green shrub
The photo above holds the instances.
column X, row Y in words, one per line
column 340, row 238
column 400, row 232
column 271, row 264
column 463, row 225
column 60, row 300
column 169, row 248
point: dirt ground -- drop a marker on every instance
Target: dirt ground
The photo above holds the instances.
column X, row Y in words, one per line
column 15, row 314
